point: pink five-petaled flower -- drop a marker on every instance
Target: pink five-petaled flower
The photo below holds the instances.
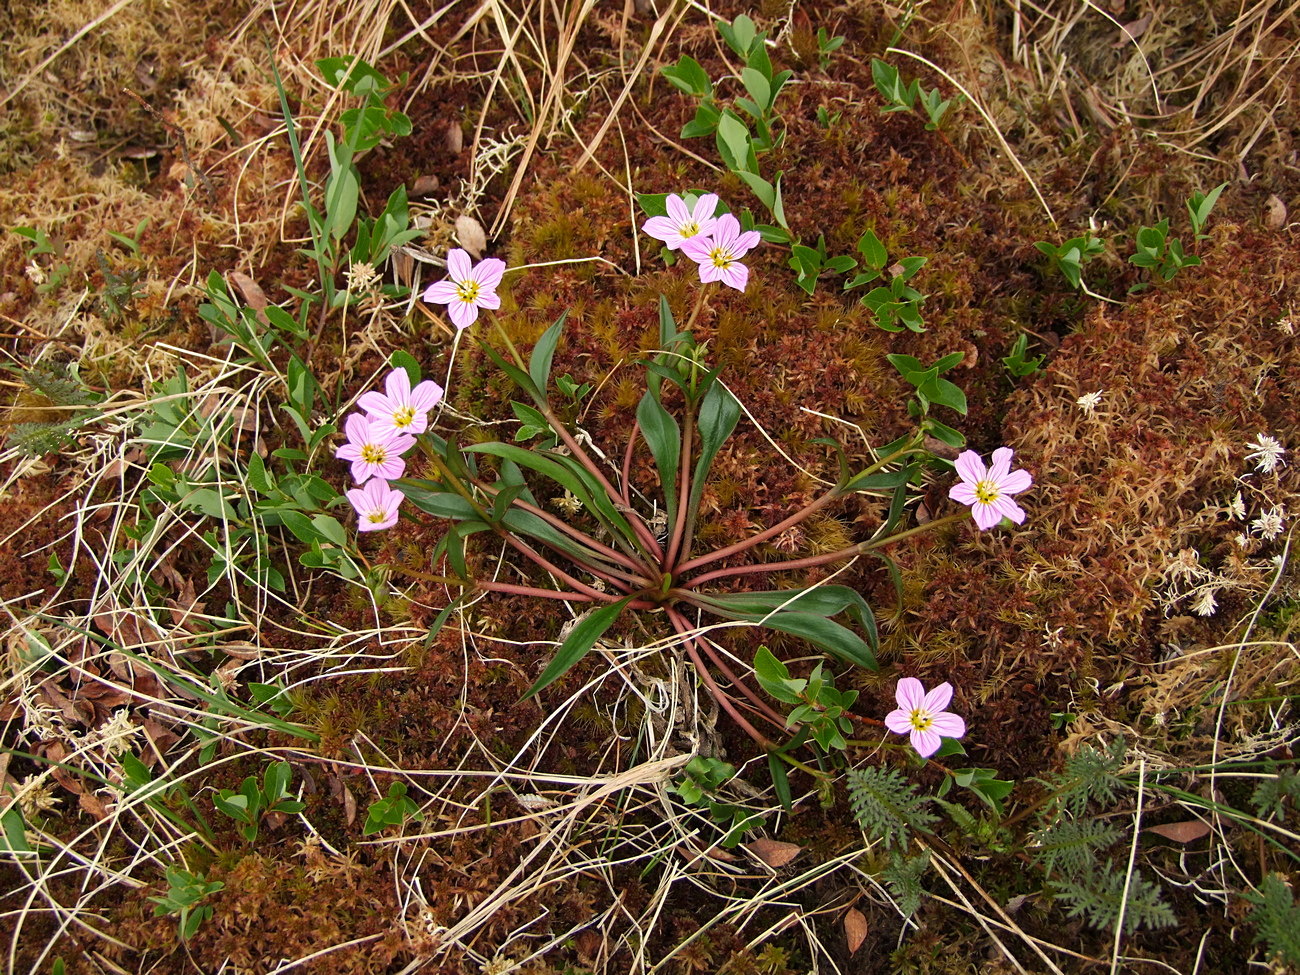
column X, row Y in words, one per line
column 468, row 288
column 988, row 491
column 401, row 409
column 719, row 256
column 376, row 503
column 924, row 716
column 374, row 451
column 680, row 225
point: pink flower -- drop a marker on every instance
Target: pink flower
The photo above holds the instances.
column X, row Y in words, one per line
column 469, row 288
column 988, row 491
column 374, row 452
column 402, row 410
column 376, row 503
column 680, row 226
column 719, row 256
column 924, row 716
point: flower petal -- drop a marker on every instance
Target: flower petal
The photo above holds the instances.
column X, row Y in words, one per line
column 357, row 427
column 949, row 725
column 746, row 242
column 488, row 299
column 910, row 694
column 661, row 228
column 458, row 264
column 725, row 231
column 1000, row 463
column 705, row 207
column 969, row 467
column 926, row 743
column 398, row 387
column 736, row 275
column 1015, row 482
column 963, row 493
column 440, row 292
column 376, row 404
column 488, row 272
column 709, row 271
column 426, row 395
column 899, row 721
column 938, row 698
column 698, row 249
column 677, row 211
column 1006, row 508
column 463, row 314
column 985, row 515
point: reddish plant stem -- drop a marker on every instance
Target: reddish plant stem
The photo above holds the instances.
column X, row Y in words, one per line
column 627, row 463
column 816, row 560
column 682, row 625
column 540, row 560
column 510, row 587
column 643, row 533
column 582, row 538
column 683, row 495
column 762, row 536
column 720, row 695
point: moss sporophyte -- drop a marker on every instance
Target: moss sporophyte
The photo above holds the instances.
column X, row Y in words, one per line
column 602, row 550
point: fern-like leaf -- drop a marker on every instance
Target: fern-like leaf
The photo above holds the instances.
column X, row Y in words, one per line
column 57, row 384
column 1271, row 795
column 903, row 878
column 1088, row 775
column 887, row 806
column 1277, row 919
column 1071, row 846
column 39, row 439
column 1097, row 895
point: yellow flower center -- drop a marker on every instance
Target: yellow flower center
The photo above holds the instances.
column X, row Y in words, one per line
column 468, row 291
column 404, row 416
column 720, row 258
column 376, row 517
column 986, row 492
column 921, row 719
column 373, row 453
column 689, row 229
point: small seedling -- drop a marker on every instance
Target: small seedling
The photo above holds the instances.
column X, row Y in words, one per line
column 897, row 301
column 251, row 803
column 1070, row 257
column 185, row 891
column 826, row 46
column 394, row 810
column 1016, row 363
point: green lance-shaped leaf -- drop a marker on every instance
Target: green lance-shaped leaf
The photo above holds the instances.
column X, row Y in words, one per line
column 821, row 600
column 539, row 363
column 819, row 631
column 719, row 413
column 578, row 643
column 664, row 438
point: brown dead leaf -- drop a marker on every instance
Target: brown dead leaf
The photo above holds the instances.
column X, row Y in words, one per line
column 1133, row 30
column 93, row 805
column 425, row 185
column 252, row 293
column 471, row 236
column 1185, row 832
column 454, row 139
column 855, row 929
column 773, row 852
column 1274, row 213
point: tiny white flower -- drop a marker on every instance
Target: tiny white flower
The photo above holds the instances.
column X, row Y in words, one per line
column 1286, row 326
column 1242, row 539
column 1088, row 402
column 1205, row 604
column 1270, row 524
column 1267, row 453
column 1237, row 507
